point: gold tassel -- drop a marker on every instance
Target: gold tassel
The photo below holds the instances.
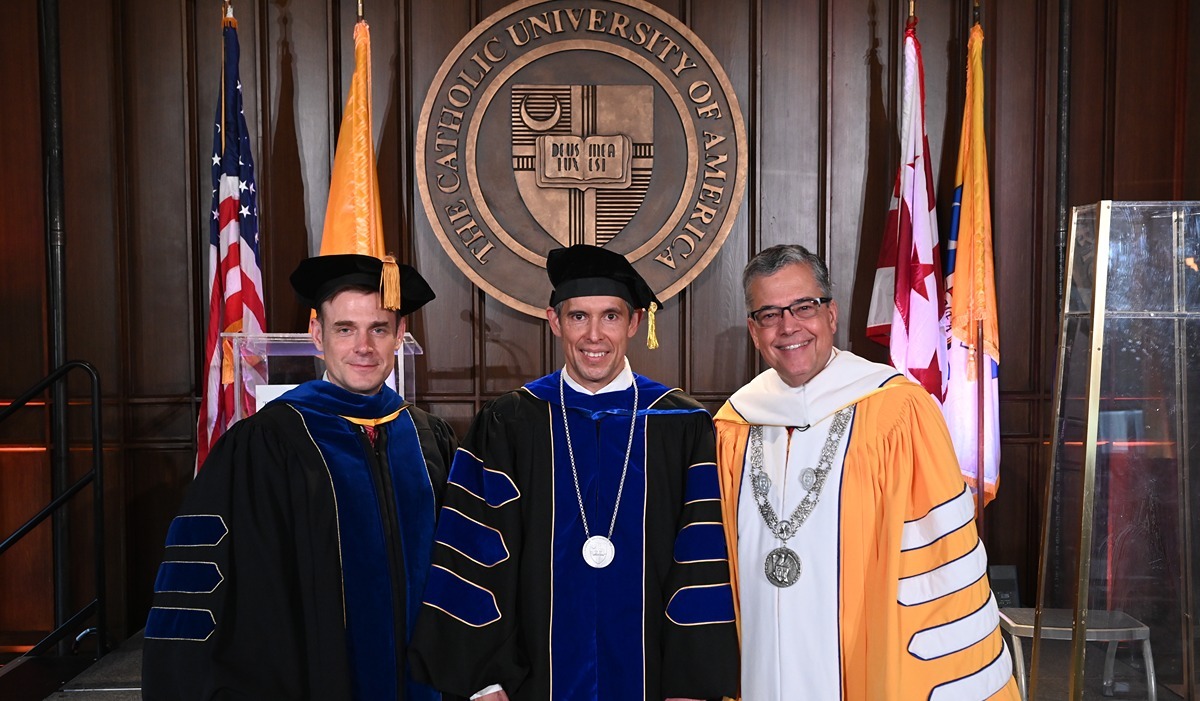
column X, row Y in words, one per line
column 389, row 284
column 651, row 327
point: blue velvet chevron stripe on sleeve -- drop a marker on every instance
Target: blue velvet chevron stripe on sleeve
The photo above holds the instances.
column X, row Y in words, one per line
column 702, row 484
column 701, row 605
column 483, row 544
column 469, row 474
column 196, row 530
column 464, row 600
column 166, row 623
column 187, row 577
column 700, row 542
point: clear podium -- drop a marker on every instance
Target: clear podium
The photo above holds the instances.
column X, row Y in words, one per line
column 1120, row 544
column 269, row 364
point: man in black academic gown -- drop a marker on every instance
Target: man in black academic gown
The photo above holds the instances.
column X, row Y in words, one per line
column 579, row 554
column 295, row 568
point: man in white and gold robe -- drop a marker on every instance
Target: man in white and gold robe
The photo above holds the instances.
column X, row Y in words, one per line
column 857, row 569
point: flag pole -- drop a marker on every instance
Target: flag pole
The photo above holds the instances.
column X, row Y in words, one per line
column 980, row 477
column 980, row 406
column 360, row 11
column 980, row 398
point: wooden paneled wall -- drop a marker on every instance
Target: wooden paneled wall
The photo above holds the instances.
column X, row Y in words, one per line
column 817, row 81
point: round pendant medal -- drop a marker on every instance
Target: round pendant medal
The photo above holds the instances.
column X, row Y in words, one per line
column 598, row 551
column 782, row 567
column 808, row 479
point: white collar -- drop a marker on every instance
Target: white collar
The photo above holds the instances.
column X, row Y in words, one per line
column 845, row 379
column 620, row 383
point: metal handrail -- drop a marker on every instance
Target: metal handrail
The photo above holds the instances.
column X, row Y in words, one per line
column 96, row 478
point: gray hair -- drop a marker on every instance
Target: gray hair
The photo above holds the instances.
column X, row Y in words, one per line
column 776, row 258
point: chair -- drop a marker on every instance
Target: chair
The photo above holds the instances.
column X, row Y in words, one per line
column 1109, row 627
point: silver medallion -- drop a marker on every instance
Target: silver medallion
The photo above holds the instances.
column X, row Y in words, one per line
column 782, row 567
column 599, row 552
column 808, row 479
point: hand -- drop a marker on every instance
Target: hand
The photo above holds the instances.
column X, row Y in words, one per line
column 494, row 696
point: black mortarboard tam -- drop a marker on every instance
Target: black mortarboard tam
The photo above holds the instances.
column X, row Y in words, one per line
column 400, row 286
column 591, row 271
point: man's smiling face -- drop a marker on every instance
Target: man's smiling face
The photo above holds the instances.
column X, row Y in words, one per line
column 595, row 333
column 797, row 349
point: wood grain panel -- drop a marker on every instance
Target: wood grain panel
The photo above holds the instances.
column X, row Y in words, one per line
column 299, row 108
column 155, row 120
column 1017, row 417
column 26, row 576
column 1008, row 538
column 22, row 227
column 1145, row 113
column 451, row 351
column 160, row 419
column 1190, row 29
column 458, row 414
column 862, row 152
column 90, row 144
column 715, row 353
column 512, row 348
column 155, row 479
column 789, row 103
column 1091, row 102
column 1016, row 182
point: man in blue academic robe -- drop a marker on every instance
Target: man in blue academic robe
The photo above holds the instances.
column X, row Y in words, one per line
column 580, row 554
column 295, row 567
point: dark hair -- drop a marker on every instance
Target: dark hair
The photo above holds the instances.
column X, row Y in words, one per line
column 558, row 307
column 776, row 258
column 366, row 289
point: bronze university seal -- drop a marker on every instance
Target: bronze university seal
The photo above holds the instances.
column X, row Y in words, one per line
column 555, row 123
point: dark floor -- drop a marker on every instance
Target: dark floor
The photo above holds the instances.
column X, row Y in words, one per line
column 1129, row 676
column 117, row 676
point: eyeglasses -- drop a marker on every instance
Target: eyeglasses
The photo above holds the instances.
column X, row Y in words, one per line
column 805, row 308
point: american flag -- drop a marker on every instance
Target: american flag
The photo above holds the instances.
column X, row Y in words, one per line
column 235, row 283
column 907, row 303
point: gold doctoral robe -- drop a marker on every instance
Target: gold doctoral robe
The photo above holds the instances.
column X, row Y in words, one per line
column 916, row 616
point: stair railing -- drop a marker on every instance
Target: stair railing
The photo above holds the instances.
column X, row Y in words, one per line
column 95, row 477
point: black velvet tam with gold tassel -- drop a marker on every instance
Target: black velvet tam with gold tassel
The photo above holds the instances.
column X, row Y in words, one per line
column 591, row 271
column 401, row 287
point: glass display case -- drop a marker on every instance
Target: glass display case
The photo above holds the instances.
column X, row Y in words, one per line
column 1118, row 586
column 272, row 363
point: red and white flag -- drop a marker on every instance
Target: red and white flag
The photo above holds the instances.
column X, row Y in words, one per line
column 235, row 282
column 907, row 303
